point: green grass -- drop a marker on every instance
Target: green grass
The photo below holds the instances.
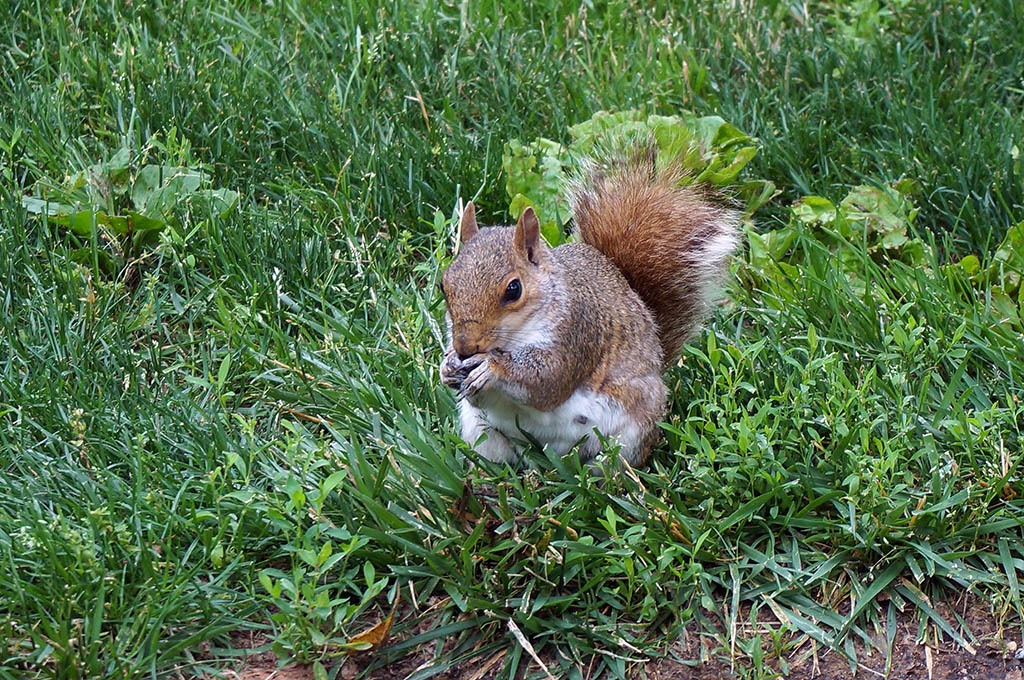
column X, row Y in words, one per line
column 179, row 448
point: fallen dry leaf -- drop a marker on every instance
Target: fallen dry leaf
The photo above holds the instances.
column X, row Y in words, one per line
column 374, row 636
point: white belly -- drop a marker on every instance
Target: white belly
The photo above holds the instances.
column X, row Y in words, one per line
column 561, row 428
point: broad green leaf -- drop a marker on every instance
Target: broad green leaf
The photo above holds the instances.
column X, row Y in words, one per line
column 584, row 134
column 883, row 212
column 119, row 225
column 755, row 193
column 779, row 241
column 672, row 138
column 160, row 188
column 551, row 233
column 1008, row 261
column 916, row 252
column 519, row 204
column 814, row 210
column 220, row 201
column 82, row 222
column 894, row 239
column 1004, row 305
column 708, row 128
column 908, row 186
column 757, row 250
column 969, row 264
column 117, row 170
column 728, row 174
column 142, row 223
column 42, row 206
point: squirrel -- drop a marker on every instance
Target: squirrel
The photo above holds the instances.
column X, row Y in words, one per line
column 567, row 345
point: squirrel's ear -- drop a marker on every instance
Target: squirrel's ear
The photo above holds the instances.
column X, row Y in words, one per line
column 527, row 236
column 467, row 225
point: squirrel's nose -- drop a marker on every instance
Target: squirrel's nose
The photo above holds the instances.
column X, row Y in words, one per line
column 470, row 337
column 466, row 350
column 464, row 346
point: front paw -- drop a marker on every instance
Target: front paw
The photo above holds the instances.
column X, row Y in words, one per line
column 478, row 380
column 453, row 371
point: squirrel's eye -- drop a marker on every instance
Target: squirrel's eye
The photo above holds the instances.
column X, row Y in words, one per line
column 513, row 291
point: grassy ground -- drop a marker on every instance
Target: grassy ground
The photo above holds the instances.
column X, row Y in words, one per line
column 240, row 426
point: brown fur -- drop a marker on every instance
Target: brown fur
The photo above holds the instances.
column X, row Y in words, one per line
column 668, row 240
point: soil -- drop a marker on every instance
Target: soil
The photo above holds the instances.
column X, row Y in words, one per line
column 998, row 656
column 994, row 657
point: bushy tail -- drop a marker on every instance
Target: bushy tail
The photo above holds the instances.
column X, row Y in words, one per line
column 670, row 241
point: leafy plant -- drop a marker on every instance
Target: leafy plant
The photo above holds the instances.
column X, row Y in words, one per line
column 877, row 223
column 322, row 591
column 114, row 202
column 862, row 21
column 870, row 219
column 1001, row 280
column 712, row 151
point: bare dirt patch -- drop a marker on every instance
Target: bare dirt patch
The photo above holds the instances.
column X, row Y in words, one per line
column 263, row 665
column 994, row 657
column 911, row 659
